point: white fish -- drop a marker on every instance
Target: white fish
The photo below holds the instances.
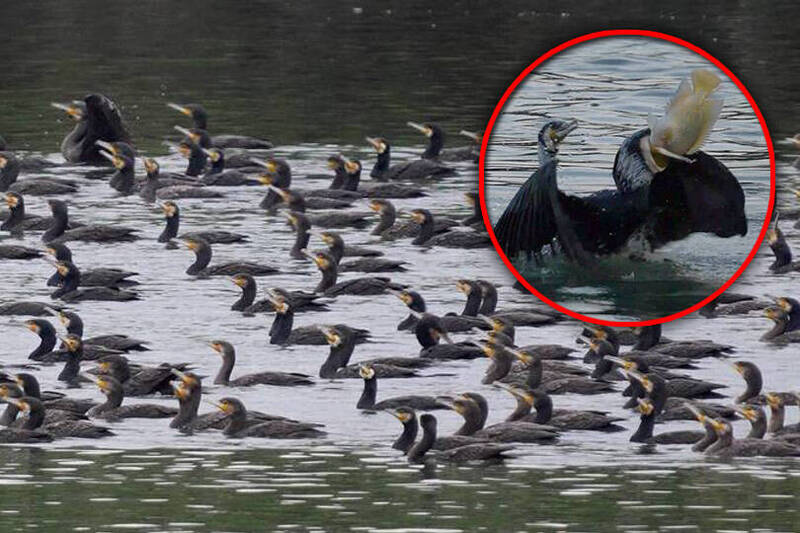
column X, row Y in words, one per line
column 688, row 117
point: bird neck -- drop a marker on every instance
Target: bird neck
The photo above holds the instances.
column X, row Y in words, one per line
column 187, row 408
column 217, row 167
column 535, row 371
column 171, row 229
column 645, row 430
column 72, row 367
column 329, row 276
column 202, row 259
column 783, row 254
column 9, row 415
column 35, row 418
column 123, row 179
column 47, row 342
column 386, row 221
column 339, row 177
column 777, row 417
column 754, row 382
column 406, row 439
column 339, row 357
column 368, row 395
column 472, row 421
column 352, row 181
column 489, row 304
column 382, row 164
column 649, row 337
column 522, row 410
column 237, row 421
column 16, row 215
column 197, row 161
column 758, row 428
column 301, row 240
column 114, row 398
column 281, row 327
column 435, row 145
column 224, row 374
column 8, row 175
column 472, row 305
column 57, row 227
column 425, row 231
column 544, row 409
column 336, row 250
column 708, row 439
column 75, row 326
column 602, row 367
column 418, row 451
column 69, row 283
column 247, row 298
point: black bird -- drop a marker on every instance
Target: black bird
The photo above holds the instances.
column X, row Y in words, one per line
column 96, row 277
column 416, row 304
column 332, row 219
column 48, row 338
column 59, row 230
column 228, row 354
column 752, row 378
column 70, row 290
column 300, row 301
column 451, row 239
column 139, row 381
column 123, row 343
column 562, row 419
column 650, row 407
column 419, row 169
column 97, row 118
column 783, row 253
column 389, row 228
column 786, row 318
column 727, row 446
column 201, row 268
column 408, row 418
column 199, row 118
column 281, row 332
column 370, row 393
column 158, row 184
column 237, row 426
column 172, row 216
column 18, row 220
column 278, row 174
column 70, row 374
column 123, row 180
column 337, row 250
column 112, row 409
column 34, row 416
column 302, row 227
column 470, row 452
column 665, row 197
column 191, row 147
column 10, row 167
column 18, row 252
column 429, row 329
column 342, row 342
column 359, row 286
column 27, row 308
column 219, row 177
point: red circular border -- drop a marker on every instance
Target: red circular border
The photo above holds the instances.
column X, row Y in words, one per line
column 615, row 33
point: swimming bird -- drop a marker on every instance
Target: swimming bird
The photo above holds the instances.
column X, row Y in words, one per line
column 96, row 277
column 218, row 176
column 46, row 350
column 562, row 419
column 18, row 220
column 10, row 167
column 59, row 230
column 228, row 354
column 368, row 397
column 418, row 169
column 34, row 413
column 237, row 426
column 139, row 380
column 70, row 290
column 328, row 285
column 342, row 342
column 113, row 410
column 451, row 239
column 728, row 446
column 299, row 300
column 199, row 117
column 123, row 180
column 201, row 268
column 460, row 454
column 172, row 215
column 97, row 117
column 124, row 343
column 337, row 250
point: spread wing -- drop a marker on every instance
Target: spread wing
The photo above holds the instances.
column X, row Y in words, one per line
column 702, row 196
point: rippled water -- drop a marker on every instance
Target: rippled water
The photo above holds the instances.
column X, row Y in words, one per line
column 248, row 65
column 610, row 86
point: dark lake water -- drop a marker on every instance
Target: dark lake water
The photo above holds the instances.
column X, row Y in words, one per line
column 316, row 78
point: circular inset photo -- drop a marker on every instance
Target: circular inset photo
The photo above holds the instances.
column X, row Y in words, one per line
column 627, row 179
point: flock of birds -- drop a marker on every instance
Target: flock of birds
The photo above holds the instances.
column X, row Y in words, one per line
column 653, row 370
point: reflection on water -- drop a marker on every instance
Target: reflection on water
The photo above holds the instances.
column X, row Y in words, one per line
column 611, row 100
column 317, row 77
column 331, row 490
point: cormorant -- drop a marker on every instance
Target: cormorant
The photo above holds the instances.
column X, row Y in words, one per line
column 48, row 338
column 342, row 342
column 299, row 300
column 470, row 452
column 70, row 290
column 96, row 277
column 561, row 419
column 201, row 268
column 199, row 118
column 281, row 332
column 429, row 329
column 370, row 393
column 218, row 176
column 237, row 426
column 278, row 174
column 9, row 171
column 419, row 169
column 74, row 324
column 18, row 252
column 97, row 118
column 123, row 180
column 337, row 249
column 358, row 286
column 59, row 230
column 661, row 193
column 172, row 216
column 112, row 409
column 139, row 381
column 451, row 239
column 228, row 354
column 786, row 317
column 19, row 221
column 727, row 446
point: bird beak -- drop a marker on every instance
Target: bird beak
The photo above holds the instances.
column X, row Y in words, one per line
column 474, row 136
column 179, row 108
column 420, row 128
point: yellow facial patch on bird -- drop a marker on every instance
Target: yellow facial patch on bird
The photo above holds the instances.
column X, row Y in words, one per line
column 402, row 415
column 772, row 236
column 190, row 244
column 225, row 406
column 33, row 326
column 104, row 366
column 418, row 217
column 406, row 298
column 272, row 166
column 181, row 392
column 169, row 209
column 376, row 206
column 463, row 287
column 321, row 261
column 333, row 163
column 326, row 237
column 352, row 167
column 784, row 304
column 216, row 346
column 645, row 406
column 4, row 391
column 11, row 200
column 366, row 372
column 62, row 269
column 150, row 165
column 239, row 281
column 774, row 400
column 214, row 155
column 72, row 343
column 749, row 413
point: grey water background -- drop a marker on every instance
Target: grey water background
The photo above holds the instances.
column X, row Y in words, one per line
column 316, row 78
column 611, row 86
